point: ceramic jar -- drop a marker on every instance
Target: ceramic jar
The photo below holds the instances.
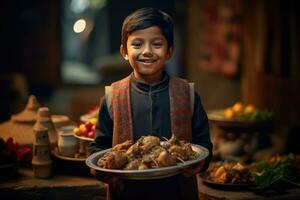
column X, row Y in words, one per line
column 41, row 137
column 67, row 143
column 41, row 160
column 44, row 120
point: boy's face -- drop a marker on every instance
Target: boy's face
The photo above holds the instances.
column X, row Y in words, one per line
column 147, row 51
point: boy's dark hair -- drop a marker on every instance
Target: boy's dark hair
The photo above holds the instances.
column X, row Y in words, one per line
column 144, row 18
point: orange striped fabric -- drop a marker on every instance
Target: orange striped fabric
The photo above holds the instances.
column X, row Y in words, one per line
column 180, row 110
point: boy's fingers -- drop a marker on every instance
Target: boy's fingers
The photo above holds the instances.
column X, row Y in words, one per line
column 104, row 177
column 188, row 172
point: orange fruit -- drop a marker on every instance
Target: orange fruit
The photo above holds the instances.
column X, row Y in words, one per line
column 76, row 131
column 82, row 128
column 93, row 121
column 238, row 107
column 249, row 108
column 228, row 113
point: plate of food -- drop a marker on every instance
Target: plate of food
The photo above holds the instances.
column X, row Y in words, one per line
column 148, row 158
column 77, row 158
column 86, row 131
column 230, row 176
column 89, row 139
column 241, row 116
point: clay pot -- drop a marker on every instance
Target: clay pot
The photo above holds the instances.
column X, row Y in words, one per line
column 67, row 143
column 29, row 113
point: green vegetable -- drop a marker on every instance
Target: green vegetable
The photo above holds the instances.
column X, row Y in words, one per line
column 257, row 114
column 280, row 171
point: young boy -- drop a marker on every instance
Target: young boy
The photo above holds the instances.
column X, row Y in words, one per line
column 150, row 102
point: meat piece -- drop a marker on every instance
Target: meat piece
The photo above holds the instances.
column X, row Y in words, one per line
column 113, row 160
column 166, row 145
column 187, row 147
column 122, row 146
column 147, row 158
column 165, row 159
column 134, row 164
column 174, row 140
column 144, row 165
column 178, row 152
column 146, row 143
column 155, row 151
column 133, row 151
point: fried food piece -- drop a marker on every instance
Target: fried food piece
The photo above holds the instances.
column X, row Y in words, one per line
column 133, row 151
column 155, row 151
column 165, row 159
column 143, row 146
column 144, row 165
column 219, row 175
column 178, row 152
column 174, row 140
column 231, row 173
column 146, row 143
column 113, row 160
column 123, row 146
column 133, row 164
column 187, row 147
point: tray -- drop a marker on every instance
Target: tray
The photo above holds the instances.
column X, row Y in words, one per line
column 146, row 174
column 84, row 138
column 218, row 119
column 58, row 155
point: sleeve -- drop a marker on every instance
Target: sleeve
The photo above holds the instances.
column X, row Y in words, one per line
column 104, row 130
column 200, row 129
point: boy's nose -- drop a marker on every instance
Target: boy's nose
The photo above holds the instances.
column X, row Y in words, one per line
column 147, row 51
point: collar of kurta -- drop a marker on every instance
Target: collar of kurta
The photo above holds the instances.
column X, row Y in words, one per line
column 146, row 88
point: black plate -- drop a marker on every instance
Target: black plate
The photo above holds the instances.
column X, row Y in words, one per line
column 224, row 186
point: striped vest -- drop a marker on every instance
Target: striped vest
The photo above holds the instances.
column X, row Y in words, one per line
column 180, row 110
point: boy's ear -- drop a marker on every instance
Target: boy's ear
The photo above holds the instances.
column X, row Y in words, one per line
column 123, row 52
column 170, row 52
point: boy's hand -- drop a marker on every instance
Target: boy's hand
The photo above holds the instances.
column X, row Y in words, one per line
column 106, row 178
column 115, row 185
column 194, row 169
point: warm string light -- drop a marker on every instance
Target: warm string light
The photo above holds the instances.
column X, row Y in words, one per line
column 79, row 26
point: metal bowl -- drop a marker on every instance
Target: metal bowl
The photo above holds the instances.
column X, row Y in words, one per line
column 156, row 173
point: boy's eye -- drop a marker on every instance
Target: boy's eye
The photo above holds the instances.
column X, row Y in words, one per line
column 136, row 45
column 157, row 44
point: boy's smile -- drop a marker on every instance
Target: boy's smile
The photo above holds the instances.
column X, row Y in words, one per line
column 147, row 51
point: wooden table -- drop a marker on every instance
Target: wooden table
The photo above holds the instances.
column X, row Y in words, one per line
column 59, row 186
column 209, row 193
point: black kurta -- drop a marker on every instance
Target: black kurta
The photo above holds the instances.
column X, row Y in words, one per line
column 151, row 115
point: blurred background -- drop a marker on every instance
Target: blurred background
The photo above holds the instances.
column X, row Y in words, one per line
column 65, row 52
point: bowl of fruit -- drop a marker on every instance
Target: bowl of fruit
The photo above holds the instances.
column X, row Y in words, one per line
column 86, row 130
column 241, row 115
